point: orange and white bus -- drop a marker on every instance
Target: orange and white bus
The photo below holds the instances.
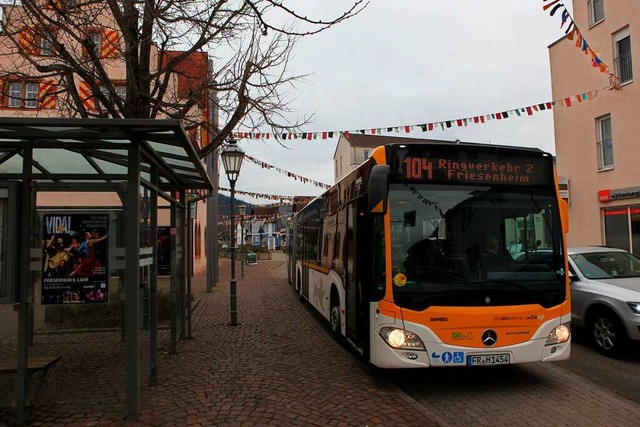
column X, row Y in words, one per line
column 440, row 254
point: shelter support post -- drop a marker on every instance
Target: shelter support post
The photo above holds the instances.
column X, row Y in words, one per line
column 174, row 275
column 22, row 386
column 183, row 252
column 190, row 244
column 132, row 284
column 212, row 224
column 153, row 282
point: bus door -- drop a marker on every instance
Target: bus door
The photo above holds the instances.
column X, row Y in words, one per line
column 356, row 315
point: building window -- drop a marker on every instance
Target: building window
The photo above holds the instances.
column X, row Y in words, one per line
column 31, row 95
column 605, row 143
column 96, row 40
column 365, row 155
column 596, row 11
column 622, row 54
column 46, row 43
column 23, row 95
column 121, row 91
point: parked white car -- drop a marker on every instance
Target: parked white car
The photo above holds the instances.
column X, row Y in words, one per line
column 605, row 296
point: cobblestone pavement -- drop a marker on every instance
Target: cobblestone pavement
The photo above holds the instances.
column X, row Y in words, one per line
column 277, row 367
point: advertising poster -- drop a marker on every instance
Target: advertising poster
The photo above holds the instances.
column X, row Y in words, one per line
column 75, row 258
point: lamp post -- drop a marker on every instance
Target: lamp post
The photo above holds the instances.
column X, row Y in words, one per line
column 232, row 157
column 242, row 209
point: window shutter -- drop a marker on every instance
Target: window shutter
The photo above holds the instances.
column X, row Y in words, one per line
column 86, row 96
column 26, row 40
column 47, row 96
column 109, row 48
column 58, row 5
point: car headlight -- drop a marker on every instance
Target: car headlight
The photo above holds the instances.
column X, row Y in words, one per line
column 559, row 334
column 635, row 307
column 401, row 339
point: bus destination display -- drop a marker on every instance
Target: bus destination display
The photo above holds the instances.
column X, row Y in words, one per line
column 477, row 169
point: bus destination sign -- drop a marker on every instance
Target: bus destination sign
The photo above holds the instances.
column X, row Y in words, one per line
column 470, row 167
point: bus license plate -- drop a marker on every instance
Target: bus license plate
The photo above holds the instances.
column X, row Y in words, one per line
column 488, row 359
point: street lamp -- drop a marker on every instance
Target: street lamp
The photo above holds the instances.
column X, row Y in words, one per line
column 232, row 157
column 242, row 209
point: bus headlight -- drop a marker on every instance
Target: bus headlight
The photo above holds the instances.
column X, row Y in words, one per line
column 401, row 339
column 559, row 334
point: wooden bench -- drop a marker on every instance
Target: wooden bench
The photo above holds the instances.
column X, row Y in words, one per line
column 36, row 365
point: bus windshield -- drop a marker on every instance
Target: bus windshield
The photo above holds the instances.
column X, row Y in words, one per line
column 457, row 245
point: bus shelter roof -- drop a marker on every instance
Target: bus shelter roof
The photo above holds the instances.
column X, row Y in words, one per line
column 96, row 150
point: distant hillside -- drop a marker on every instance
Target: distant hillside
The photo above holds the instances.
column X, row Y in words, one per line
column 224, row 204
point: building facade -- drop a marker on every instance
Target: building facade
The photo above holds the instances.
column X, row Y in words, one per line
column 596, row 144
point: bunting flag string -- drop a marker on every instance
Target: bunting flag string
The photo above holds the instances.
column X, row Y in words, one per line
column 573, row 32
column 529, row 110
column 297, row 177
column 248, row 218
column 260, row 195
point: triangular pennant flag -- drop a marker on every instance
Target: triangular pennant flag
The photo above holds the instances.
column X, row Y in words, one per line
column 548, row 105
column 430, row 126
column 459, row 122
column 406, row 129
column 529, row 112
column 547, row 6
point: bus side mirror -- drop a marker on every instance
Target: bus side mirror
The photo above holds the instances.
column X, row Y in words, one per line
column 378, row 189
column 564, row 216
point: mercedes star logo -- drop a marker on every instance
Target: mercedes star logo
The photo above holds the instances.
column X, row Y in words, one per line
column 489, row 337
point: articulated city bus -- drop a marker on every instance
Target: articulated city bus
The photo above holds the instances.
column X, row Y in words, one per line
column 440, row 254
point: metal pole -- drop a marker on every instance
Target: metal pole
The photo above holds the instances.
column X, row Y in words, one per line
column 153, row 283
column 189, row 268
column 174, row 276
column 184, row 251
column 212, row 225
column 132, row 284
column 242, row 247
column 23, row 383
column 232, row 284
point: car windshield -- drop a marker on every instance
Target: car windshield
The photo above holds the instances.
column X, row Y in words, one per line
column 463, row 245
column 607, row 265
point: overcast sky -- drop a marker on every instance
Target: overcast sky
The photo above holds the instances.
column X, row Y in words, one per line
column 406, row 62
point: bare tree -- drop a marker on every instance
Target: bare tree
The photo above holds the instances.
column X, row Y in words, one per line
column 158, row 58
